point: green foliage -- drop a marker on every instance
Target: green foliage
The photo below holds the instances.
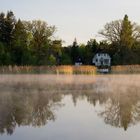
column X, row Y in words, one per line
column 116, row 59
column 7, row 23
column 2, row 53
column 66, row 59
column 24, row 42
column 31, row 43
column 41, row 33
column 52, row 60
column 74, row 51
column 126, row 38
column 56, row 50
column 19, row 44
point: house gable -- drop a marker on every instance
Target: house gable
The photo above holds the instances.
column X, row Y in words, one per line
column 102, row 59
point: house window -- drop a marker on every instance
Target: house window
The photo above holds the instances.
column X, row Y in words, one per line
column 106, row 61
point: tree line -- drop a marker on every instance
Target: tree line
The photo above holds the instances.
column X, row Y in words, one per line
column 33, row 43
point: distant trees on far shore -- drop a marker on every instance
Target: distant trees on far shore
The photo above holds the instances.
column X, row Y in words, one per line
column 33, row 43
column 124, row 36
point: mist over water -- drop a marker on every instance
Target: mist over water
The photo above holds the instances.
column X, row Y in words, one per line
column 69, row 107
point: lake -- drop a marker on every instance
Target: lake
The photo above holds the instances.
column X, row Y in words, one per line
column 69, row 107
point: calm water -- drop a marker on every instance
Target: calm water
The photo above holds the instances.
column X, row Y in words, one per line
column 39, row 107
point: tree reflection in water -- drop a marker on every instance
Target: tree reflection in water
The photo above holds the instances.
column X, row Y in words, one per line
column 122, row 109
column 33, row 102
column 21, row 107
column 120, row 100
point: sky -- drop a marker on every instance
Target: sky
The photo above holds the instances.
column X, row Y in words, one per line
column 81, row 19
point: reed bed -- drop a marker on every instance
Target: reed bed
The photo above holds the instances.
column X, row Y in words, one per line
column 127, row 69
column 48, row 70
column 89, row 70
column 76, row 70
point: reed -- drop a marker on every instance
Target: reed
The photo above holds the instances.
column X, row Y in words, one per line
column 88, row 70
column 47, row 70
column 127, row 69
column 76, row 70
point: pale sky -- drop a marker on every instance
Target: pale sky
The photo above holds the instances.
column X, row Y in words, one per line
column 74, row 18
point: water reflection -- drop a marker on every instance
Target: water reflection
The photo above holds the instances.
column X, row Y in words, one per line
column 23, row 106
column 122, row 110
column 33, row 100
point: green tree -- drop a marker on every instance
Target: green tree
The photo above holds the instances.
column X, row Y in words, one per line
column 2, row 54
column 65, row 59
column 52, row 60
column 2, row 27
column 41, row 38
column 56, row 50
column 74, row 51
column 126, row 38
column 90, row 49
column 126, row 42
column 19, row 44
column 9, row 26
column 115, row 31
column 123, row 35
column 66, row 56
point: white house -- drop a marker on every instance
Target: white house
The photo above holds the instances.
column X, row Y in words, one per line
column 102, row 59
